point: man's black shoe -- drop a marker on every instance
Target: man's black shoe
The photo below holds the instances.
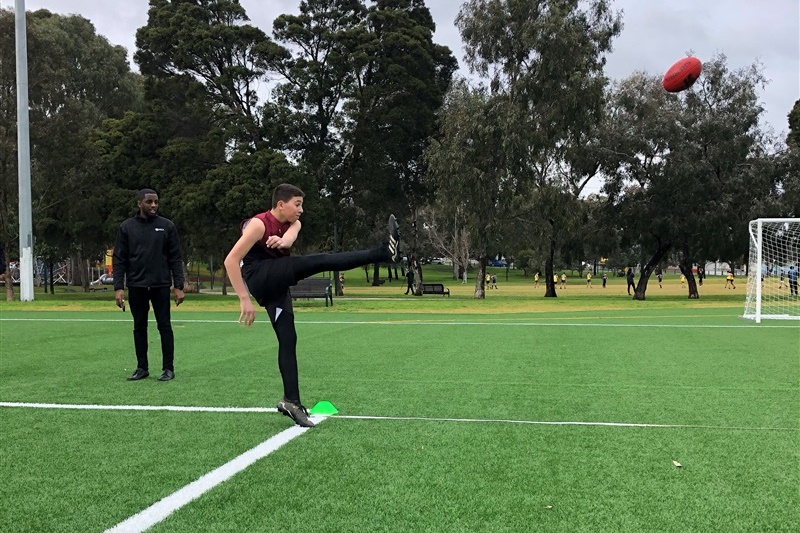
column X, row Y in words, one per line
column 167, row 375
column 140, row 373
column 394, row 239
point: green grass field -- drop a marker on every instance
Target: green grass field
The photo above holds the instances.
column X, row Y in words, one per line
column 455, row 414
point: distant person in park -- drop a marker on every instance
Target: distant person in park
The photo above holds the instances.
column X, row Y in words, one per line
column 536, row 281
column 701, row 274
column 563, row 280
column 729, row 280
column 629, row 277
column 260, row 262
column 589, row 279
column 410, row 281
column 605, row 279
column 147, row 259
column 783, row 276
column 555, row 280
column 488, row 281
column 660, row 277
column 683, row 280
column 494, row 281
column 792, row 275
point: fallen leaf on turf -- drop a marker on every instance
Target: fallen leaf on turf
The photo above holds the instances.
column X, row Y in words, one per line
column 676, row 463
column 548, row 507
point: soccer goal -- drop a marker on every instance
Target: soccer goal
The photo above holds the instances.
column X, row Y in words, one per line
column 772, row 274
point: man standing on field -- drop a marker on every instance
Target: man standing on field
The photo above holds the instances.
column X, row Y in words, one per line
column 792, row 275
column 147, row 258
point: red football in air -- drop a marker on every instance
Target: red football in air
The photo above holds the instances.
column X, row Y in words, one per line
column 682, row 74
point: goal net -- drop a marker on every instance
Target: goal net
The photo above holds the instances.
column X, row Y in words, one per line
column 772, row 275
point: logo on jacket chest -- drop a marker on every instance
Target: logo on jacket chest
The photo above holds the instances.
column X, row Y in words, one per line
column 159, row 229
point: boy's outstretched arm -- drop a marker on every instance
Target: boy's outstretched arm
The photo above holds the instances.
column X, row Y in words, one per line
column 252, row 233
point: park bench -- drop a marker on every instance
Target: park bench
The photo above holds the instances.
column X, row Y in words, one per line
column 435, row 288
column 313, row 288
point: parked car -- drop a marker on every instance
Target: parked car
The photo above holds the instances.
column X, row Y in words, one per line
column 497, row 263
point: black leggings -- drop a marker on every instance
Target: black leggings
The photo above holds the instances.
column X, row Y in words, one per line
column 282, row 319
column 139, row 299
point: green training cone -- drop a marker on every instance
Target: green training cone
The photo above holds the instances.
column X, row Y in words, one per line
column 323, row 408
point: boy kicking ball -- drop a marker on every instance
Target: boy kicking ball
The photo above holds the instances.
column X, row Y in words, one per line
column 260, row 262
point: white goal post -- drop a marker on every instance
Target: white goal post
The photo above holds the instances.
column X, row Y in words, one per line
column 772, row 273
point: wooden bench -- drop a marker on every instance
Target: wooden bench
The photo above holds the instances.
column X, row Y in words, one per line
column 313, row 288
column 435, row 288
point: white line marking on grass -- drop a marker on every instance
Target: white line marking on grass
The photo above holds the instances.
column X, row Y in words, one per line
column 143, row 407
column 540, row 324
column 560, row 423
column 366, row 417
column 430, row 323
column 163, row 508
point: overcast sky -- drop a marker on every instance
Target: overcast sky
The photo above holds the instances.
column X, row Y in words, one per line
column 655, row 35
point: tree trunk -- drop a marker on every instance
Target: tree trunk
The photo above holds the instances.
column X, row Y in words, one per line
column 641, row 287
column 9, row 283
column 88, row 274
column 686, row 269
column 413, row 265
column 480, row 287
column 376, row 274
column 550, row 291
column 337, row 285
column 79, row 272
column 224, row 280
column 212, row 272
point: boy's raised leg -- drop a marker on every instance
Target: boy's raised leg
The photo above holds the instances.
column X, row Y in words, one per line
column 307, row 265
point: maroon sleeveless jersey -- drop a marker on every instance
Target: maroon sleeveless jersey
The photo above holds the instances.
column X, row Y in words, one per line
column 272, row 226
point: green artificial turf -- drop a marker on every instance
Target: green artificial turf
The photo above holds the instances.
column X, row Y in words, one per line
column 729, row 389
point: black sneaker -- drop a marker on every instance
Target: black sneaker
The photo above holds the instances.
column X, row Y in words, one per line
column 296, row 412
column 394, row 239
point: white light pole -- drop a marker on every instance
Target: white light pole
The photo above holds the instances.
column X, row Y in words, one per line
column 23, row 159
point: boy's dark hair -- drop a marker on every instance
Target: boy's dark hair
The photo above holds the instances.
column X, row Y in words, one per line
column 285, row 192
column 141, row 194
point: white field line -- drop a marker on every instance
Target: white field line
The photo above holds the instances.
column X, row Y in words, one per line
column 143, row 407
column 406, row 418
column 563, row 423
column 427, row 323
column 163, row 508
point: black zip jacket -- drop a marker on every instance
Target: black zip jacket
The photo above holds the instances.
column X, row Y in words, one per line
column 147, row 253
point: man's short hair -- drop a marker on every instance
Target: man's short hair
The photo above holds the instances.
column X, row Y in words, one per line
column 285, row 192
column 144, row 192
